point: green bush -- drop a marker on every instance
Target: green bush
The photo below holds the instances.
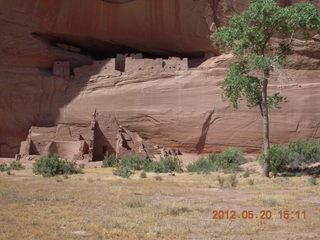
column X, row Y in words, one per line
column 122, row 171
column 52, row 165
column 3, row 167
column 293, row 155
column 165, row 165
column 202, row 165
column 143, row 175
column 303, row 152
column 109, row 160
column 230, row 159
column 132, row 162
column 277, row 157
column 313, row 181
column 16, row 165
column 171, row 164
column 156, row 167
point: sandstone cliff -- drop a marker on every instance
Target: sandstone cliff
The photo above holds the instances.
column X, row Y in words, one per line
column 175, row 109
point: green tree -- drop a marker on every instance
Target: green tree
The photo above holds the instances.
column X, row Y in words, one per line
column 249, row 36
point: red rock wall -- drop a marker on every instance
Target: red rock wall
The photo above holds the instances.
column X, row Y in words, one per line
column 169, row 110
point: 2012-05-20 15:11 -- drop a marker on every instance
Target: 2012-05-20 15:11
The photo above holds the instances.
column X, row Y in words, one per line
column 263, row 214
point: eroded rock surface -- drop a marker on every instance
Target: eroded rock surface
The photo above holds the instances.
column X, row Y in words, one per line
column 173, row 108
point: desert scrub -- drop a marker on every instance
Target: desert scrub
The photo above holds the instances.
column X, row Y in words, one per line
column 123, row 171
column 132, row 162
column 246, row 174
column 203, row 165
column 16, row 165
column 229, row 181
column 171, row 164
column 277, row 157
column 3, row 167
column 293, row 155
column 135, row 204
column 109, row 160
column 156, row 167
column 313, row 181
column 228, row 160
column 52, row 165
column 143, row 175
column 176, row 211
column 166, row 164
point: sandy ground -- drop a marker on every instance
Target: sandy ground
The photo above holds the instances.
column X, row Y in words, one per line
column 98, row 205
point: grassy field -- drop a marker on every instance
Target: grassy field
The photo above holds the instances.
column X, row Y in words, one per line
column 98, row 205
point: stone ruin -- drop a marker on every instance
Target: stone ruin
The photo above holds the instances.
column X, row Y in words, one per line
column 123, row 63
column 86, row 142
column 103, row 134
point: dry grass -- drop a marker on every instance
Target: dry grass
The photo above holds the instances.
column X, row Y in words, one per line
column 98, row 205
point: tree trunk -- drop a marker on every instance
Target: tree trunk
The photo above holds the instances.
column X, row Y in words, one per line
column 265, row 115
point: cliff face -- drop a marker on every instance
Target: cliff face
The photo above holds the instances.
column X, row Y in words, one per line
column 177, row 108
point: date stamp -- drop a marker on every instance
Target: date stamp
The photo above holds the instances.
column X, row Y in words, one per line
column 263, row 214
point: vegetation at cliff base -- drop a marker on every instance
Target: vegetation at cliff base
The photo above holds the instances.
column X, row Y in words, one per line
column 228, row 160
column 53, row 165
column 293, row 155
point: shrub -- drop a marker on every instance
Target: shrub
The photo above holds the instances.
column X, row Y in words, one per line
column 122, row 171
column 232, row 181
column 202, row 165
column 175, row 211
column 109, row 160
column 171, row 163
column 229, row 159
column 293, row 155
column 52, row 165
column 16, row 165
column 135, row 204
column 166, row 164
column 156, row 167
column 82, row 165
column 313, row 181
column 277, row 157
column 303, row 152
column 132, row 162
column 143, row 175
column 3, row 167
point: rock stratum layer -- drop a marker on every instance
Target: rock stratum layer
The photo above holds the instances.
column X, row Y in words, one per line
column 181, row 109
